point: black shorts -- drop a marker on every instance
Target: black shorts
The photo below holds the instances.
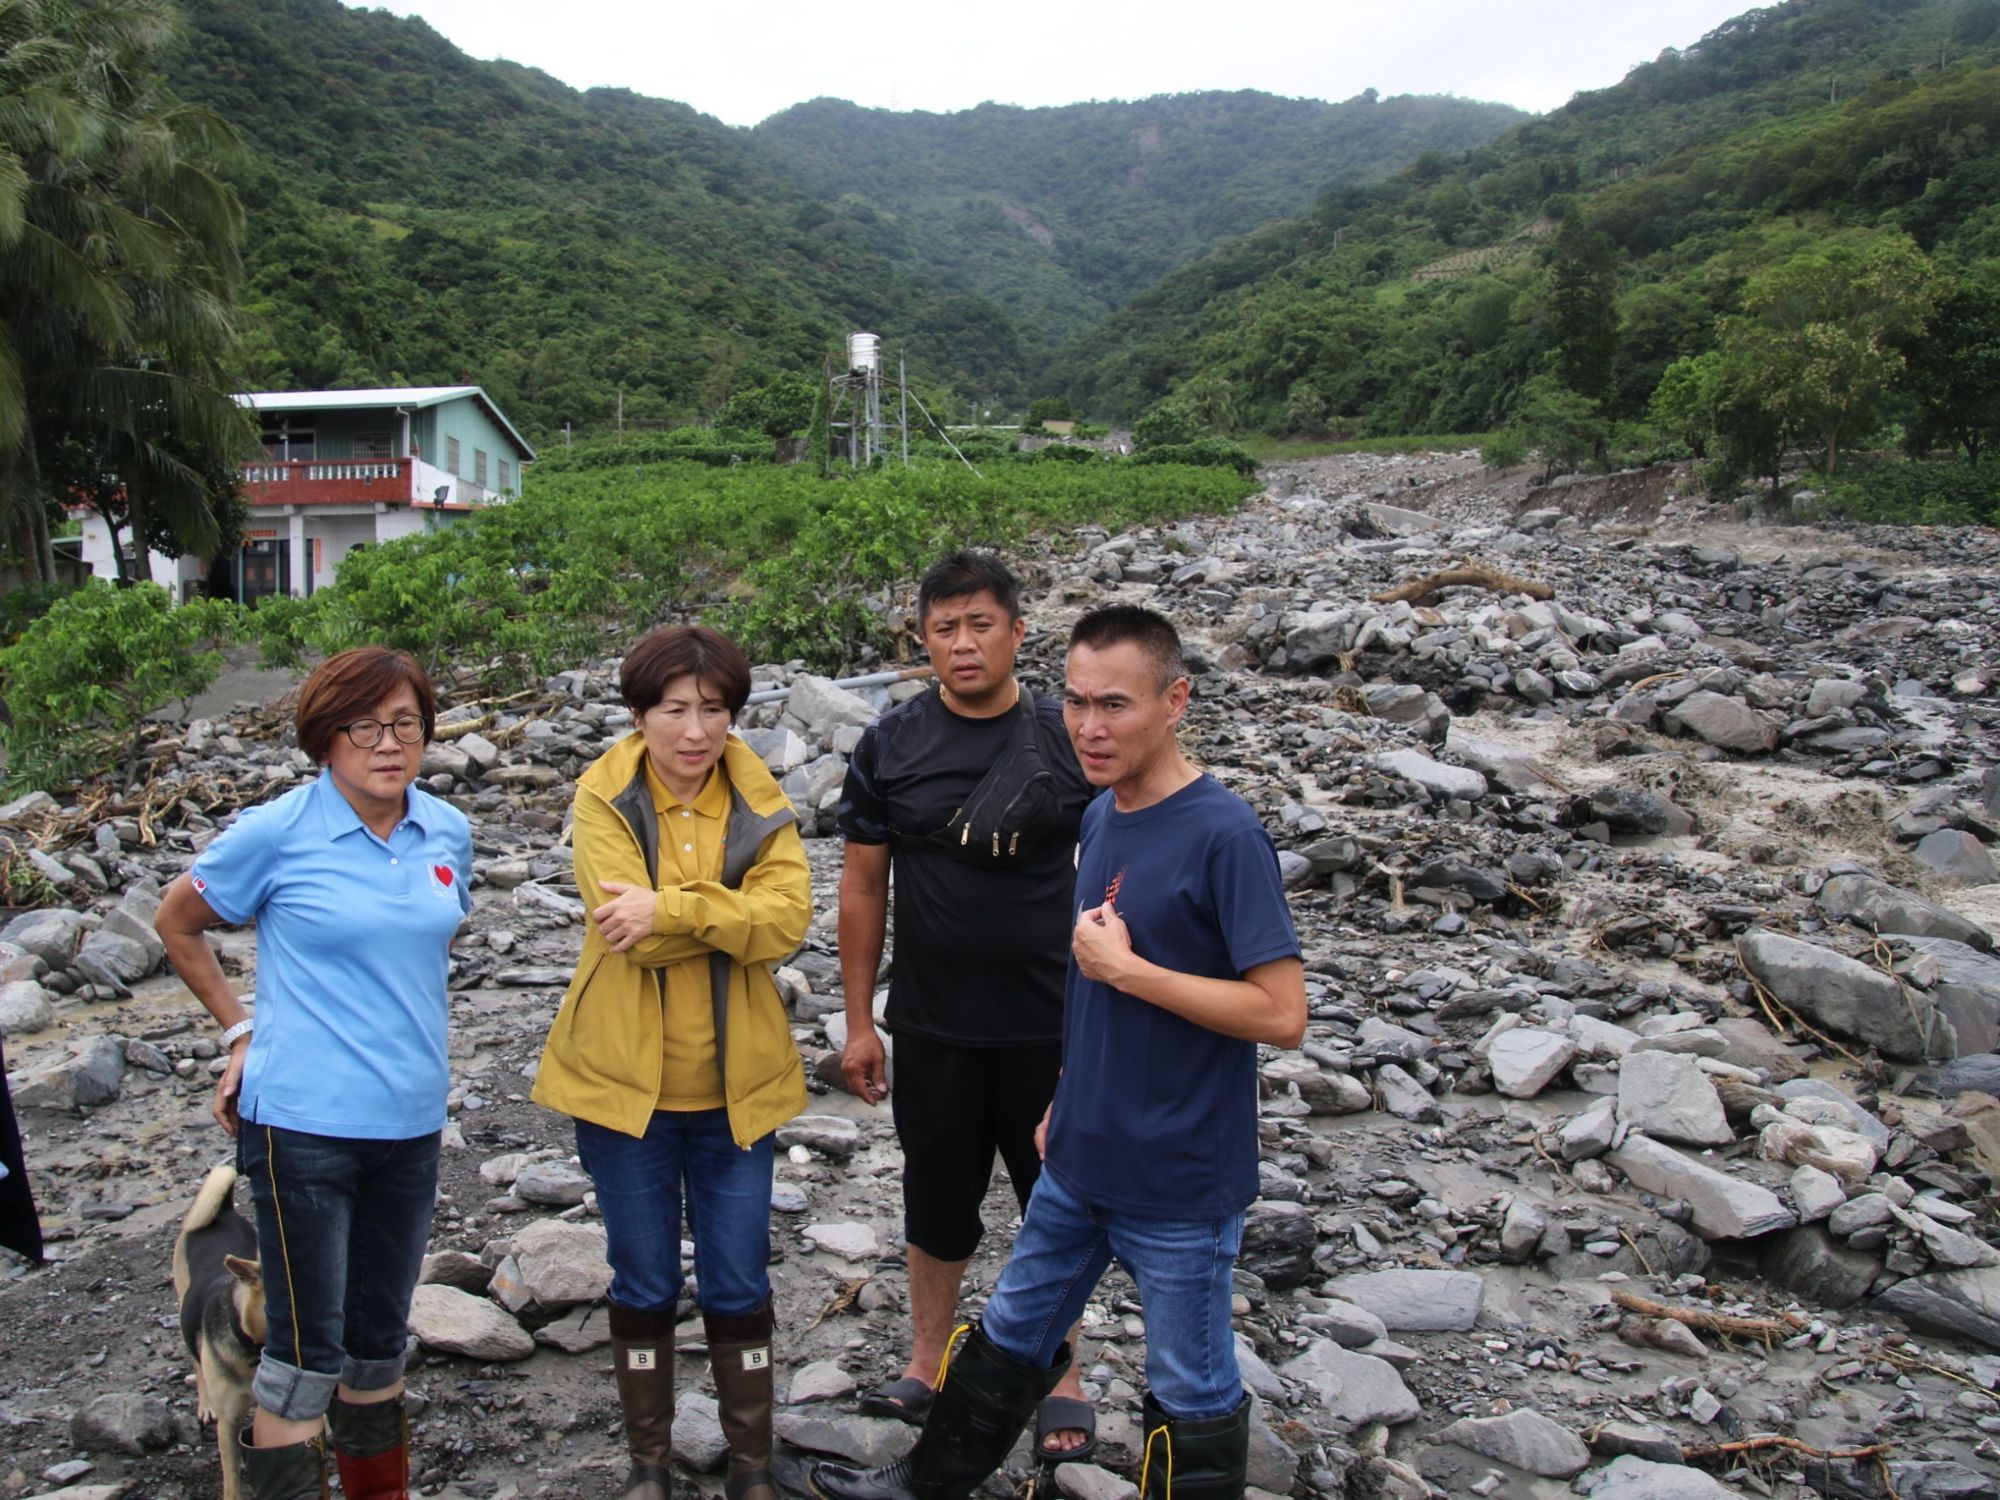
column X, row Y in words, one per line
column 954, row 1107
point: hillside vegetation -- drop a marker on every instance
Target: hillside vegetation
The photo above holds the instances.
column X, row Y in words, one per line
column 1815, row 170
column 1060, row 215
column 414, row 215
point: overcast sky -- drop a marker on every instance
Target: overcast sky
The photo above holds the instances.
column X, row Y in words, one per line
column 743, row 60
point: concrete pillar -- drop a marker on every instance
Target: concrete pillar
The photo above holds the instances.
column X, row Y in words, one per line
column 301, row 557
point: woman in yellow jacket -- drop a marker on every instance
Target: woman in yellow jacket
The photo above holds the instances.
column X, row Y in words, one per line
column 672, row 1050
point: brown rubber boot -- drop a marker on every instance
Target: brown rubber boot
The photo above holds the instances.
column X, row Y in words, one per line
column 642, row 1354
column 297, row 1471
column 739, row 1352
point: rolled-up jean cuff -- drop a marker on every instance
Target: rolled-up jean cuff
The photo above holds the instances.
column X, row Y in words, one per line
column 287, row 1391
column 372, row 1374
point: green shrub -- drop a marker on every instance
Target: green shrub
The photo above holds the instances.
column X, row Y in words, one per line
column 1169, row 424
column 81, row 680
column 1066, row 453
column 1911, row 492
column 1206, row 453
column 24, row 604
column 1504, row 449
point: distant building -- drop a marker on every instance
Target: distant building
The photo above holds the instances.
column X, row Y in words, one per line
column 340, row 470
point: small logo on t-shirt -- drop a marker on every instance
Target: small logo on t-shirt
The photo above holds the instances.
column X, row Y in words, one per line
column 200, row 885
column 1117, row 884
column 441, row 879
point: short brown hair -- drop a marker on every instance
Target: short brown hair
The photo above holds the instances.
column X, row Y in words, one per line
column 351, row 686
column 676, row 651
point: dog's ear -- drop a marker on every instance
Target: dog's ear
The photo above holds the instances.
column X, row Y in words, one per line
column 244, row 1270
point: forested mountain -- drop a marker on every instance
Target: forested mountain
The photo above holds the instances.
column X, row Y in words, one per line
column 1598, row 243
column 416, row 215
column 1060, row 215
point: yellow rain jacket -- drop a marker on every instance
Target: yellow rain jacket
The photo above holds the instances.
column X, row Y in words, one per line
column 603, row 1058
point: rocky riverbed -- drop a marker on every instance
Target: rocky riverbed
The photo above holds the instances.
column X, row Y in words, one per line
column 1643, row 1143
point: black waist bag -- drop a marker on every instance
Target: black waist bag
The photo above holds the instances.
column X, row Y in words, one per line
column 1009, row 812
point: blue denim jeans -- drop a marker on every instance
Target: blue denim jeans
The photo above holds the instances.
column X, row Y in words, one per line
column 1183, row 1267
column 341, row 1230
column 685, row 1157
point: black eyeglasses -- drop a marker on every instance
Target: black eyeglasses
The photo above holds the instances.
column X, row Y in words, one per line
column 366, row 734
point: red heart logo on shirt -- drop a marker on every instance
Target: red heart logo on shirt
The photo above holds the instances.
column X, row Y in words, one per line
column 443, row 873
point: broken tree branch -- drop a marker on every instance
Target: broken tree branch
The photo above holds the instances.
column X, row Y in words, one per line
column 1781, row 1327
column 1425, row 590
column 1773, row 1440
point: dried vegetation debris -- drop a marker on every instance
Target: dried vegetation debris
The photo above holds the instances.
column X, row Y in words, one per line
column 1646, row 1126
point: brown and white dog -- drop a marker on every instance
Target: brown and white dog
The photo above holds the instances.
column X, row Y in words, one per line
column 221, row 1291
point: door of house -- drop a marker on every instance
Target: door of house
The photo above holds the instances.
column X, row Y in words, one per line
column 265, row 569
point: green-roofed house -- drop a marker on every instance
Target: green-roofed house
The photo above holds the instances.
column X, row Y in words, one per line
column 340, row 470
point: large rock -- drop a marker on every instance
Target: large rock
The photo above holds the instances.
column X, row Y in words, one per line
column 1624, row 811
column 555, row 1184
column 1813, row 1264
column 24, row 1006
column 1629, row 1478
column 1726, row 723
column 1353, row 1389
column 867, row 1441
column 1393, row 520
column 1875, row 906
column 1667, row 1096
column 90, row 1073
column 1525, row 1060
column 558, row 1264
column 1524, row 1438
column 51, row 935
column 697, row 1432
column 816, row 703
column 1965, row 986
column 1965, row 1304
column 1846, row 997
column 1415, row 1301
column 455, row 1322
column 1278, row 1243
column 1433, row 776
column 122, row 1422
column 1725, row 1207
column 1956, row 855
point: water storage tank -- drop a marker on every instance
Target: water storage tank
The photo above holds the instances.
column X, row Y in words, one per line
column 863, row 351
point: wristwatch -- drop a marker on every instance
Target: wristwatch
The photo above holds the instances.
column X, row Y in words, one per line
column 241, row 1028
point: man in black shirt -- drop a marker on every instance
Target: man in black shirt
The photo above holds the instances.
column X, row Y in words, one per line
column 984, row 867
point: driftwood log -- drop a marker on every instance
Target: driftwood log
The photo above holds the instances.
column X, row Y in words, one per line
column 1421, row 591
column 1753, row 1328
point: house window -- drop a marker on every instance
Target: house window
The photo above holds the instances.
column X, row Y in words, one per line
column 373, row 444
column 505, row 480
column 479, row 467
column 451, row 454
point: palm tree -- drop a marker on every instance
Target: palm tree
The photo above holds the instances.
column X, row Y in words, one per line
column 117, row 271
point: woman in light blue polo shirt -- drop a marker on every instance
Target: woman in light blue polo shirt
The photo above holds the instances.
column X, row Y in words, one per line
column 357, row 882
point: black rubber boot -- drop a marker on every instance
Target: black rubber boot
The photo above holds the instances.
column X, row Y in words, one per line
column 1194, row 1460
column 986, row 1400
column 739, row 1354
column 642, row 1355
column 297, row 1471
column 371, row 1448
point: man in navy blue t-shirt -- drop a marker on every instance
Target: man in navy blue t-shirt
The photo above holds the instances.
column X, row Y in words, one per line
column 1184, row 958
